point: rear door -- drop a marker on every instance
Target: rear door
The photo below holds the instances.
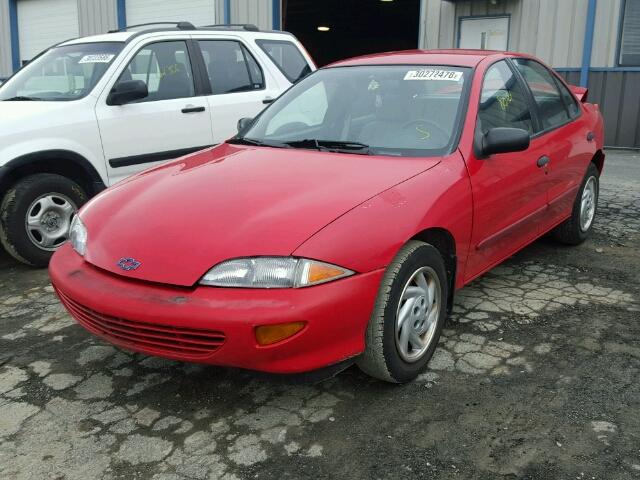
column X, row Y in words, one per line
column 238, row 85
column 172, row 121
column 509, row 189
column 562, row 135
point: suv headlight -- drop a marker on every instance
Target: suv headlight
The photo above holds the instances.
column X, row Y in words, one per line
column 272, row 272
column 78, row 235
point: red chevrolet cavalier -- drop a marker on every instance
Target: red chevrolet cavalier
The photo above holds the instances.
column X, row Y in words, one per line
column 337, row 225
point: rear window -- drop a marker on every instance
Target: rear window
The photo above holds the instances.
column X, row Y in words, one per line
column 287, row 58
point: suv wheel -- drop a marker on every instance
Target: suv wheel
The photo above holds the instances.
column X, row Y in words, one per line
column 35, row 216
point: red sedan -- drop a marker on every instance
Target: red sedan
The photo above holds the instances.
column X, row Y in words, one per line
column 336, row 226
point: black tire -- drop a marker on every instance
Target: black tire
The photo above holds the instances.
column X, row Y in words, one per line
column 570, row 232
column 13, row 212
column 381, row 358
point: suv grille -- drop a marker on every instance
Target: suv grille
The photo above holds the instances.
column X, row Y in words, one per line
column 163, row 339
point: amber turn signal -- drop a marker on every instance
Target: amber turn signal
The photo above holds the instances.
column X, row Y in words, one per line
column 270, row 334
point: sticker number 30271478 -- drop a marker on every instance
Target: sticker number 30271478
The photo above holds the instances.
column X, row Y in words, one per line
column 433, row 74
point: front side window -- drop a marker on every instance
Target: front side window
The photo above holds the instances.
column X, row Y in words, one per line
column 630, row 35
column 503, row 102
column 552, row 108
column 398, row 110
column 165, row 68
column 287, row 58
column 63, row 73
column 230, row 67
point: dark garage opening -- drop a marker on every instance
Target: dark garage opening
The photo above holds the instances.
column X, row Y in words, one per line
column 356, row 27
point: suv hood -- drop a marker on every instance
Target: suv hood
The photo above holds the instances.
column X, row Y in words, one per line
column 182, row 218
column 19, row 117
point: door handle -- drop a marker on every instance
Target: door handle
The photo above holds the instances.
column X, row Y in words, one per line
column 268, row 100
column 543, row 161
column 191, row 109
column 590, row 136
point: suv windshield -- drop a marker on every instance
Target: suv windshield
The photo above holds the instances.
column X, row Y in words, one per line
column 399, row 110
column 62, row 73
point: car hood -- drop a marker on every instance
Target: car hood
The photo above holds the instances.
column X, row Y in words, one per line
column 182, row 218
column 25, row 116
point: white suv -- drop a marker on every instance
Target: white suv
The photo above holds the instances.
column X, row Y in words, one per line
column 89, row 112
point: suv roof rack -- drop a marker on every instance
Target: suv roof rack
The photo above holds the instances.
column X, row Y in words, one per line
column 242, row 26
column 179, row 25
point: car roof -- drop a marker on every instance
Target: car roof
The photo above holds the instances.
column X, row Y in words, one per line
column 453, row 57
column 125, row 36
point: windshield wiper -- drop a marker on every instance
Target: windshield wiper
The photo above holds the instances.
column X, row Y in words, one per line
column 259, row 143
column 21, row 98
column 331, row 145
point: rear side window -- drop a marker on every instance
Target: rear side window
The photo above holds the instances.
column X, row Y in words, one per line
column 287, row 58
column 230, row 67
column 552, row 107
column 503, row 102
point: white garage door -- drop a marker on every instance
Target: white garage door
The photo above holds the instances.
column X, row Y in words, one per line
column 42, row 23
column 198, row 12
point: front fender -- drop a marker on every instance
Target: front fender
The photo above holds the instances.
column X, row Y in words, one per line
column 369, row 236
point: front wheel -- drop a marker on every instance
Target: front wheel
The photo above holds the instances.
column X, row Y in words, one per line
column 409, row 313
column 576, row 228
column 35, row 216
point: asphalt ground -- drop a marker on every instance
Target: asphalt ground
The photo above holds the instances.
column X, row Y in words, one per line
column 537, row 377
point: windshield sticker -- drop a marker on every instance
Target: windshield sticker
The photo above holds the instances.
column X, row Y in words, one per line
column 432, row 74
column 97, row 58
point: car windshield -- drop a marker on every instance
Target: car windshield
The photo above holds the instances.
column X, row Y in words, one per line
column 62, row 73
column 400, row 110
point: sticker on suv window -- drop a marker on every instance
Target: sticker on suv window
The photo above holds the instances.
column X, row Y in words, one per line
column 433, row 74
column 97, row 58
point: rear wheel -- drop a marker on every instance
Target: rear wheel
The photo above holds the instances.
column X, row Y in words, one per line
column 409, row 313
column 576, row 228
column 35, row 216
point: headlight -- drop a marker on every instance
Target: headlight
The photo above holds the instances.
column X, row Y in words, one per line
column 272, row 272
column 78, row 235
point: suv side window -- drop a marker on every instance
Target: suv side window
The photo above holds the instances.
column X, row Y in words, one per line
column 503, row 102
column 287, row 58
column 549, row 100
column 165, row 68
column 230, row 67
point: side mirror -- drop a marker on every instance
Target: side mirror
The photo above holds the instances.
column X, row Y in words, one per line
column 244, row 123
column 127, row 92
column 504, row 140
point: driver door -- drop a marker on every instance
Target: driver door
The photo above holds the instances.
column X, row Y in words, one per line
column 170, row 122
column 509, row 189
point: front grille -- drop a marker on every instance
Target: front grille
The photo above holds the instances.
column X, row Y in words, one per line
column 163, row 339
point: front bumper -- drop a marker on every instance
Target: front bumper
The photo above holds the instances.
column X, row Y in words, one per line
column 123, row 311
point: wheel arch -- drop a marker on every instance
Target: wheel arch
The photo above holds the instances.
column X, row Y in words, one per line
column 445, row 243
column 62, row 162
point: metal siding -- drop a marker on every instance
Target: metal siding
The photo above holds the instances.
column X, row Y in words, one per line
column 446, row 39
column 550, row 29
column 605, row 40
column 257, row 12
column 5, row 40
column 97, row 16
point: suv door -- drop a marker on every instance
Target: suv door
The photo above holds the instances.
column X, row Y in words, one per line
column 238, row 85
column 561, row 134
column 509, row 189
column 171, row 121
